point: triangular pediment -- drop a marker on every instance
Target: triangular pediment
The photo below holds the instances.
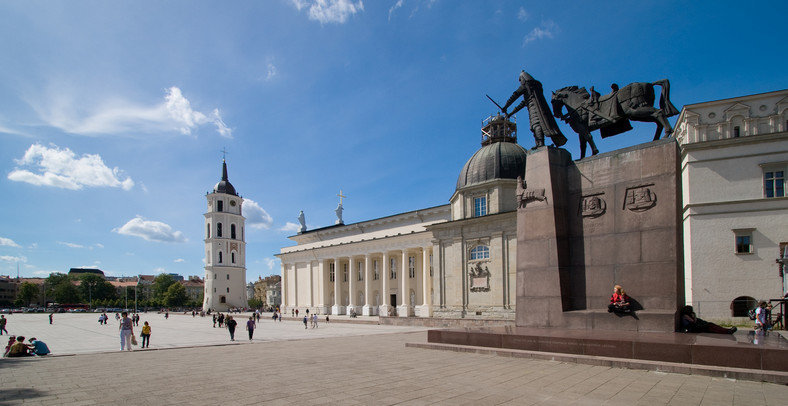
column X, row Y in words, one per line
column 782, row 105
column 737, row 109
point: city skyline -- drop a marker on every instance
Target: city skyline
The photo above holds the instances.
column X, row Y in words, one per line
column 116, row 117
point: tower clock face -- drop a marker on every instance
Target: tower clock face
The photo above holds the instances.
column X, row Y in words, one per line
column 232, row 203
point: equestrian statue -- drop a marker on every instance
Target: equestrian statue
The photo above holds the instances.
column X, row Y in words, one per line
column 610, row 114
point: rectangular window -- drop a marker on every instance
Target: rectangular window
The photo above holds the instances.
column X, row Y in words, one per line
column 330, row 272
column 393, row 268
column 774, row 183
column 377, row 271
column 219, row 205
column 360, row 271
column 344, row 272
column 479, row 206
column 430, row 265
column 411, row 267
column 743, row 241
column 736, row 132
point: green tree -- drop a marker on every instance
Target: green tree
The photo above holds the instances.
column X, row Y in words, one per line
column 161, row 284
column 176, row 295
column 94, row 287
column 255, row 303
column 54, row 280
column 66, row 292
column 27, row 292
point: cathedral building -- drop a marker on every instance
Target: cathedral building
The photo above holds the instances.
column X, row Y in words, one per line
column 225, row 248
column 454, row 260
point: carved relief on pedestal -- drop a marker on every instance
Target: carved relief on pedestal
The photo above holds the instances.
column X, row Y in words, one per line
column 592, row 205
column 640, row 198
column 479, row 276
column 526, row 195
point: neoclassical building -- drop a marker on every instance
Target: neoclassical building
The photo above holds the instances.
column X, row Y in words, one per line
column 454, row 260
column 225, row 248
column 735, row 209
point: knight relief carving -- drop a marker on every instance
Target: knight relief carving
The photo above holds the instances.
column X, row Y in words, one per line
column 640, row 198
column 479, row 276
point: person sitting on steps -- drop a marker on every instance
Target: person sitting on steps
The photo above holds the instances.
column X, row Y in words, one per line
column 619, row 302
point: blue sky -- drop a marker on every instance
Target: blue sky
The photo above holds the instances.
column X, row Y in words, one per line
column 113, row 115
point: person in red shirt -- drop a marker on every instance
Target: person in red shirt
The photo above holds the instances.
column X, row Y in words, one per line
column 619, row 302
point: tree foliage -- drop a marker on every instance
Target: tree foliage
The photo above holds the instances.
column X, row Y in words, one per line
column 176, row 295
column 255, row 303
column 94, row 287
column 27, row 293
column 161, row 284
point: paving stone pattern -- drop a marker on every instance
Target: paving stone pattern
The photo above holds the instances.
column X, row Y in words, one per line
column 340, row 363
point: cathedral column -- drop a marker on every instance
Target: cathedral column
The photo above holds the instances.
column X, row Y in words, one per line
column 404, row 307
column 285, row 285
column 295, row 286
column 384, row 307
column 426, row 282
column 351, row 290
column 336, row 307
column 367, row 309
column 311, row 299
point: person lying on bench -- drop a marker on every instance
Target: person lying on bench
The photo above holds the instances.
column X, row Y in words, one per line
column 619, row 302
column 692, row 324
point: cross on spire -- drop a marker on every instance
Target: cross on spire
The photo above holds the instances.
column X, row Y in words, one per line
column 224, row 155
column 340, row 196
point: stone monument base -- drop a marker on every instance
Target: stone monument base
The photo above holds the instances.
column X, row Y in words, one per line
column 741, row 350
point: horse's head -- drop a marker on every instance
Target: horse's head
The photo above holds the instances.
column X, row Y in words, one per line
column 557, row 102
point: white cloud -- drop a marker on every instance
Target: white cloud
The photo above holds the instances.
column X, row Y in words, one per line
column 256, row 216
column 150, row 230
column 329, row 11
column 8, row 258
column 179, row 260
column 270, row 262
column 271, row 70
column 61, row 168
column 393, row 8
column 545, row 30
column 522, row 15
column 120, row 116
column 291, row 227
column 7, row 242
column 71, row 245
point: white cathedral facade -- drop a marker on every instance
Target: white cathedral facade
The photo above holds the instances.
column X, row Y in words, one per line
column 225, row 248
column 451, row 261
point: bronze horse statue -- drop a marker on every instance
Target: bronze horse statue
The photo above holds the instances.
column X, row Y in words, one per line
column 586, row 112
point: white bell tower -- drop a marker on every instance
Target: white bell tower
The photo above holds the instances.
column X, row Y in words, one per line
column 225, row 248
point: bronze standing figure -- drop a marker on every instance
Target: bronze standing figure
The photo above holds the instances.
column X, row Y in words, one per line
column 539, row 114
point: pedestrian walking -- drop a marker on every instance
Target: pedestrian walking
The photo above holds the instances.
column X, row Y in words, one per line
column 250, row 325
column 305, row 322
column 231, row 327
column 3, row 322
column 145, row 335
column 214, row 320
column 126, row 328
column 50, row 317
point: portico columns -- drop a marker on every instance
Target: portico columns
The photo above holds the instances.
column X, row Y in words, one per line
column 285, row 285
column 404, row 307
column 425, row 310
column 352, row 276
column 367, row 309
column 336, row 308
column 384, row 288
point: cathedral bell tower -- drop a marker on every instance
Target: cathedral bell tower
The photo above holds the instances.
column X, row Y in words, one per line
column 225, row 248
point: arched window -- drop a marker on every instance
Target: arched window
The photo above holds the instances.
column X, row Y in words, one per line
column 220, row 257
column 741, row 305
column 480, row 252
column 208, row 231
column 232, row 231
column 232, row 257
column 218, row 229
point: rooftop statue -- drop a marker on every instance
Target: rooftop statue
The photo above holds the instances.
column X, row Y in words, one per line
column 610, row 114
column 542, row 122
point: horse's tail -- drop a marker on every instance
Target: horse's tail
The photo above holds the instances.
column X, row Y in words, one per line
column 664, row 98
